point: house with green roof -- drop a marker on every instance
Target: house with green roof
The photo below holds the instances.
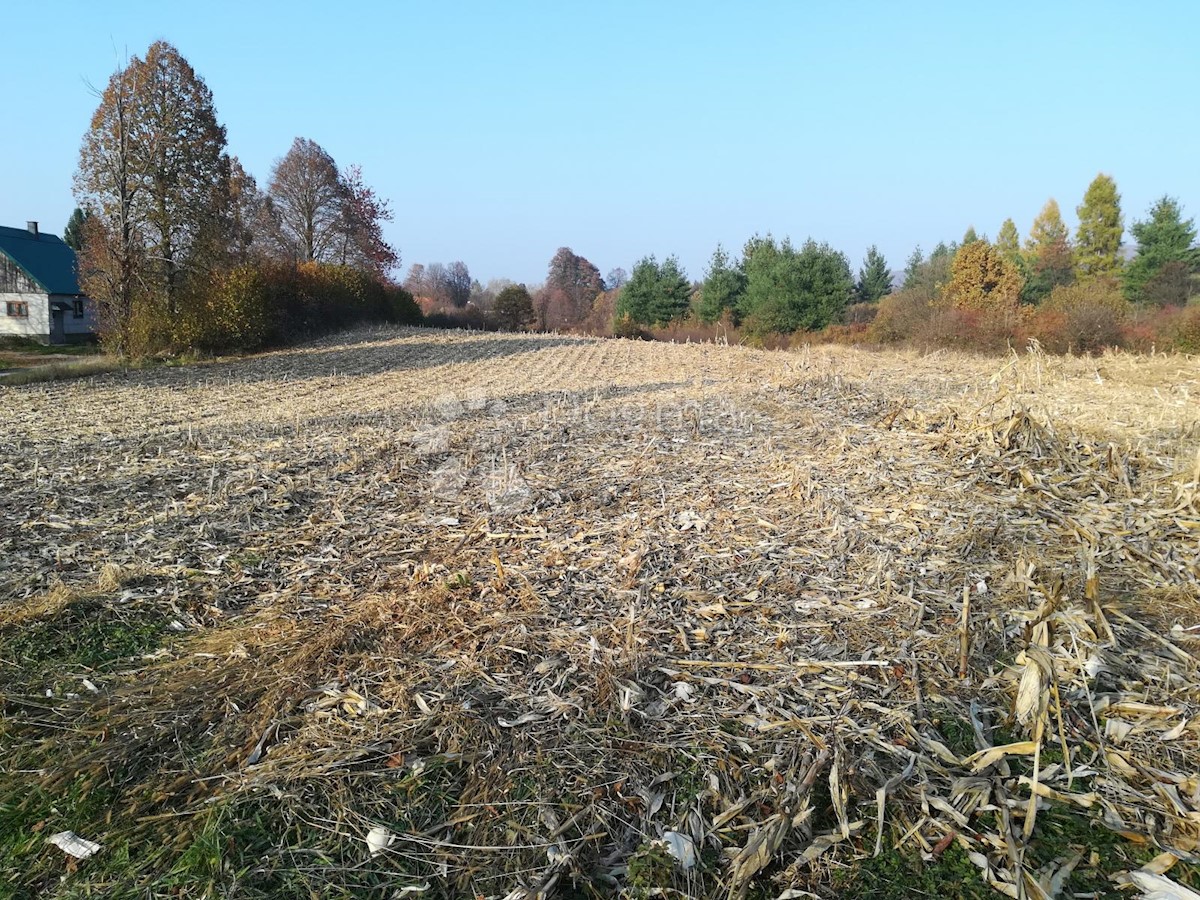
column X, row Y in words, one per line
column 39, row 288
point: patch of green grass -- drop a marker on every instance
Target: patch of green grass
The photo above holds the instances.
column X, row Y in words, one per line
column 957, row 731
column 689, row 781
column 902, row 874
column 1061, row 832
column 251, row 847
column 61, row 371
column 15, row 343
column 650, row 866
column 86, row 634
column 29, row 816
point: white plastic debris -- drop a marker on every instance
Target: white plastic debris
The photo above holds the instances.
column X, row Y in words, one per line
column 412, row 889
column 73, row 845
column 682, row 847
column 523, row 719
column 379, row 839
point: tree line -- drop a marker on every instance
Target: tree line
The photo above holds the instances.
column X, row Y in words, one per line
column 1080, row 292
column 179, row 247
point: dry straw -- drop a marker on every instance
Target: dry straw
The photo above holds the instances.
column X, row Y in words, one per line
column 496, row 614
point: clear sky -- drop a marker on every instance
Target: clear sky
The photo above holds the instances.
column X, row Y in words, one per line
column 503, row 130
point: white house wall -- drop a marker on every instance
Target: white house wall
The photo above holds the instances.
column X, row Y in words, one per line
column 38, row 323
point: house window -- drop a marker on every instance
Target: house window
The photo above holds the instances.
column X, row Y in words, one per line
column 18, row 310
column 77, row 309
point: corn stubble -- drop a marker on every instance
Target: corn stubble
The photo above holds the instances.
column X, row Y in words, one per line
column 491, row 615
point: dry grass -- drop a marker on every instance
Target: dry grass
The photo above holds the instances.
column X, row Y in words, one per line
column 531, row 604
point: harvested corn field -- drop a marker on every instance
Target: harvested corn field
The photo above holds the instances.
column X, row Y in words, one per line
column 436, row 614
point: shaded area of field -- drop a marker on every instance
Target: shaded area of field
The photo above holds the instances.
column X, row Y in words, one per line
column 546, row 609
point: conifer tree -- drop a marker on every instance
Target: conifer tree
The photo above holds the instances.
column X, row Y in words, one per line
column 724, row 284
column 1048, row 257
column 1008, row 242
column 874, row 278
column 1162, row 272
column 655, row 293
column 1098, row 239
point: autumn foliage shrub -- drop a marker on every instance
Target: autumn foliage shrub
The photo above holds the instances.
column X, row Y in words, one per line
column 229, row 312
column 843, row 334
column 899, row 318
column 1185, row 333
column 626, row 327
column 150, row 329
column 253, row 306
column 860, row 313
column 695, row 331
column 1083, row 317
column 983, row 330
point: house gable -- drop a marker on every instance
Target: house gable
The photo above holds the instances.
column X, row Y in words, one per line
column 13, row 279
column 45, row 262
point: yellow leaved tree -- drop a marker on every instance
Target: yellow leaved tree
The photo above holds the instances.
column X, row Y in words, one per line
column 981, row 279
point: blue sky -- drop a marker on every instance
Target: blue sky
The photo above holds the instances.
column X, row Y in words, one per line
column 503, row 130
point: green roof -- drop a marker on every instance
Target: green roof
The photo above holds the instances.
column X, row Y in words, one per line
column 46, row 259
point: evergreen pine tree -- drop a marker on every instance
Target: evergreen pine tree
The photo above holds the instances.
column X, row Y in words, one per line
column 724, row 284
column 874, row 278
column 1167, row 258
column 73, row 233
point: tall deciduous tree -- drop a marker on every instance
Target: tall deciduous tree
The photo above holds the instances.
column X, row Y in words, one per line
column 151, row 170
column 1049, row 260
column 245, row 206
column 1167, row 257
column 106, row 184
column 655, row 293
column 457, row 282
column 615, row 279
column 724, row 284
column 572, row 285
column 874, row 278
column 361, row 241
column 177, row 147
column 1098, row 239
column 308, row 198
column 415, row 281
